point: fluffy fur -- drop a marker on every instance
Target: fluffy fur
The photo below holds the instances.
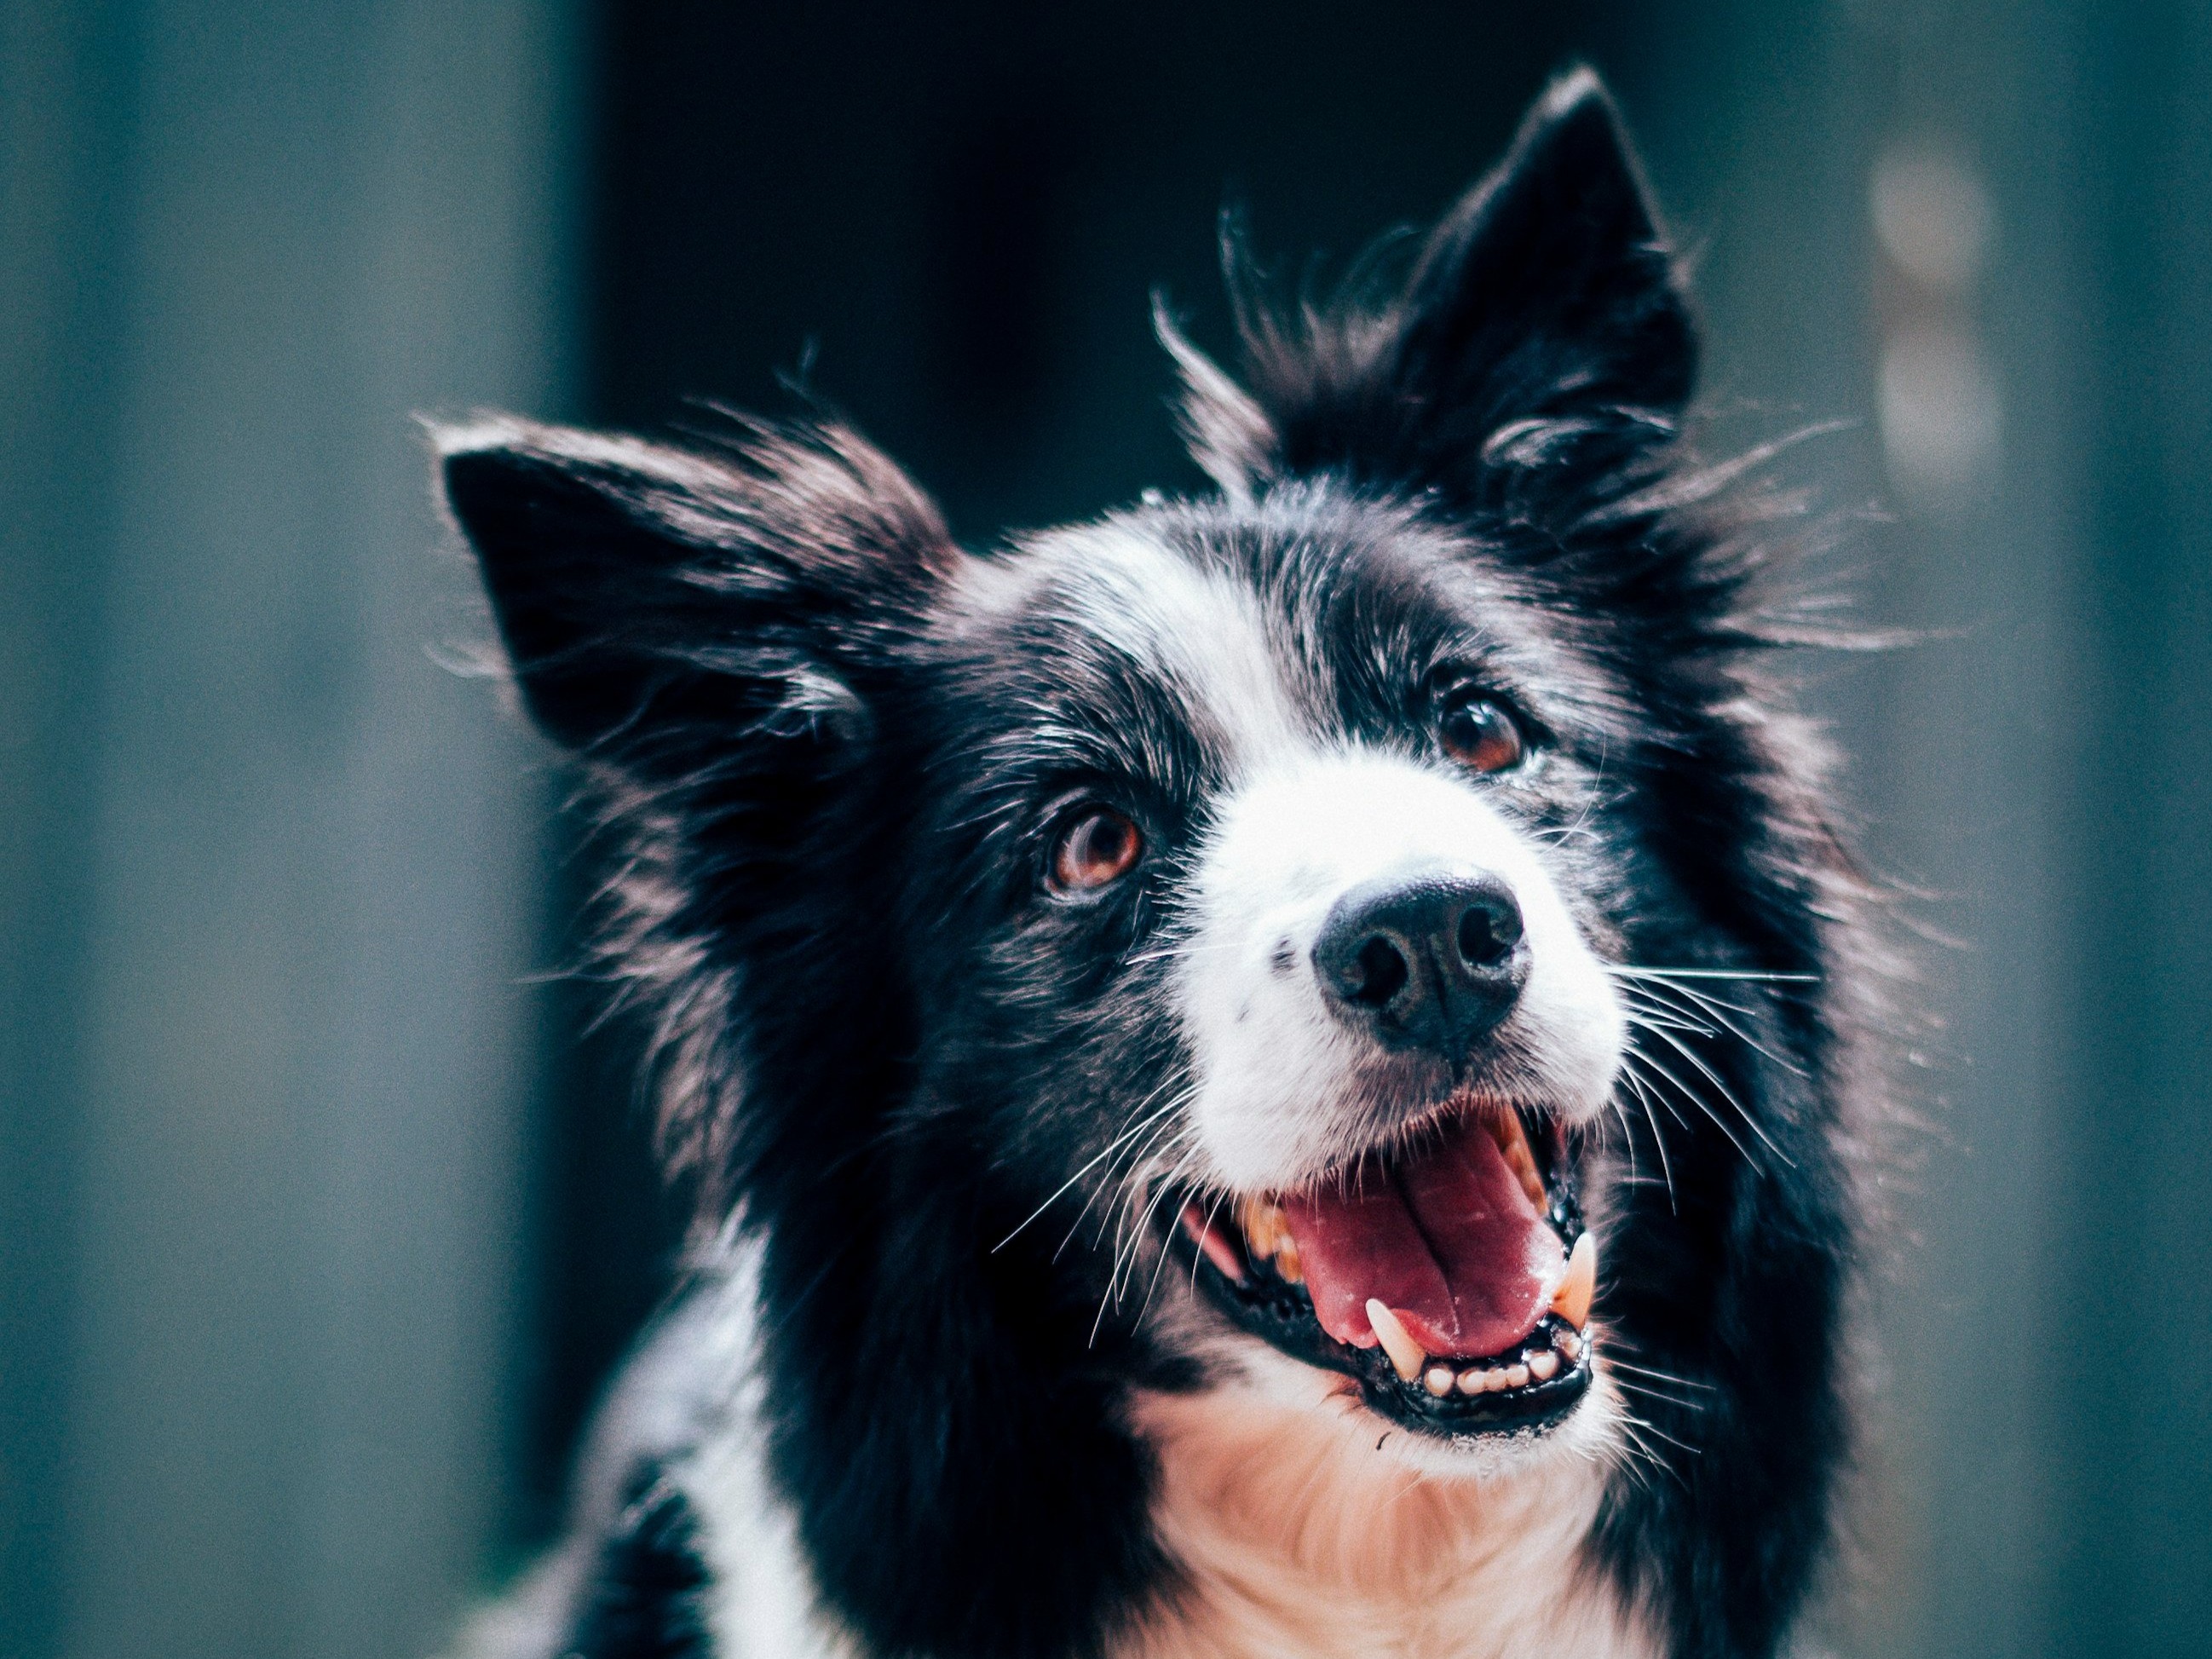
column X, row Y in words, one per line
column 947, row 1381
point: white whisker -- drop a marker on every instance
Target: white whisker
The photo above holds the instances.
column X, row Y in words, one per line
column 1614, row 1360
column 1644, row 1099
column 1718, row 1009
column 1726, row 1094
column 1077, row 1176
column 1644, row 1058
column 1625, row 972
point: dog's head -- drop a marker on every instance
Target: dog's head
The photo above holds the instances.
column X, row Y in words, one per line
column 1249, row 941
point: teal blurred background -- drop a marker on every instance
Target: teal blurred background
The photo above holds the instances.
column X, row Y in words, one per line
column 319, row 1216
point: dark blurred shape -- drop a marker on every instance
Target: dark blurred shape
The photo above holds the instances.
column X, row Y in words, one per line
column 953, row 217
column 995, row 248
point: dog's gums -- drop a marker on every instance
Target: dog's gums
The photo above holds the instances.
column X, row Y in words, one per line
column 1255, row 1257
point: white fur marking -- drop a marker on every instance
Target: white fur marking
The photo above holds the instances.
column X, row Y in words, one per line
column 1201, row 630
column 1301, row 1538
column 763, row 1596
column 1280, row 1081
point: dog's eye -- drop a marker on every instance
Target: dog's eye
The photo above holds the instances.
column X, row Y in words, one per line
column 1096, row 845
column 1479, row 735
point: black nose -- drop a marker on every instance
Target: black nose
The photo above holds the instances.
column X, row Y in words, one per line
column 1434, row 963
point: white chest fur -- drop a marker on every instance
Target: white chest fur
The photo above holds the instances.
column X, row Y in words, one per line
column 1300, row 1540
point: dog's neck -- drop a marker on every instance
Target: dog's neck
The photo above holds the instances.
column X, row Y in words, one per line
column 1298, row 1538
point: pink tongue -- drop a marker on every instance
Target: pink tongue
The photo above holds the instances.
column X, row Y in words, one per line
column 1448, row 1239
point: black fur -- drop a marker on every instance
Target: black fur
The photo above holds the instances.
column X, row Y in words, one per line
column 829, row 790
column 649, row 1585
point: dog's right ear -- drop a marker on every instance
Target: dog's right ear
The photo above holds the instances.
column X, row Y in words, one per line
column 659, row 605
column 1540, row 348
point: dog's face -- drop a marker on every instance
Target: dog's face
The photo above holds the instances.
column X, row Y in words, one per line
column 1271, row 838
column 1252, row 942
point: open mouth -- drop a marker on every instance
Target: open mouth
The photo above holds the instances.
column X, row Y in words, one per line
column 1450, row 1277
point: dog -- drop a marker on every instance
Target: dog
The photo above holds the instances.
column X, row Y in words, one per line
column 1272, row 1073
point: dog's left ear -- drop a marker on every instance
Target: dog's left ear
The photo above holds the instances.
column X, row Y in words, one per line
column 1542, row 326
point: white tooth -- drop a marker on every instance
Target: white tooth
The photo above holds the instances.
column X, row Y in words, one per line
column 1437, row 1380
column 1571, row 1301
column 1471, row 1381
column 1543, row 1367
column 1570, row 1344
column 1406, row 1354
column 1517, row 1376
column 1493, row 1380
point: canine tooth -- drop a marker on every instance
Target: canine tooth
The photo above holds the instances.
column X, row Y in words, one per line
column 1517, row 1376
column 1437, row 1380
column 1287, row 1264
column 1265, row 1230
column 1544, row 1366
column 1471, row 1381
column 1406, row 1354
column 1506, row 1128
column 1571, row 1301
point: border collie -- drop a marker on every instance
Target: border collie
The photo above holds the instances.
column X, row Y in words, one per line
column 1270, row 1074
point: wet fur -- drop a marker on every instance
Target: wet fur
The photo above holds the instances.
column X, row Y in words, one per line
column 893, row 1418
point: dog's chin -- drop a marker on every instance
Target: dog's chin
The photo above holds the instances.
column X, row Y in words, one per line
column 1506, row 1380
column 1258, row 1383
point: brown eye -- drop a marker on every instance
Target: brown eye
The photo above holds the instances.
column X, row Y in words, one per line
column 1098, row 846
column 1479, row 735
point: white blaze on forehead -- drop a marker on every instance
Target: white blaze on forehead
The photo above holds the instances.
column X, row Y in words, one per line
column 1281, row 1082
column 1202, row 631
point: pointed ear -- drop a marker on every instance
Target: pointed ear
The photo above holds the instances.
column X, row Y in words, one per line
column 1550, row 291
column 1542, row 324
column 660, row 604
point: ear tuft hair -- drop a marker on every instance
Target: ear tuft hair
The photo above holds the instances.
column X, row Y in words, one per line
column 638, row 585
column 1228, row 435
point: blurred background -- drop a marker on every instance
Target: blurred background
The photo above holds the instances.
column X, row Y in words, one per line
column 320, row 1219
